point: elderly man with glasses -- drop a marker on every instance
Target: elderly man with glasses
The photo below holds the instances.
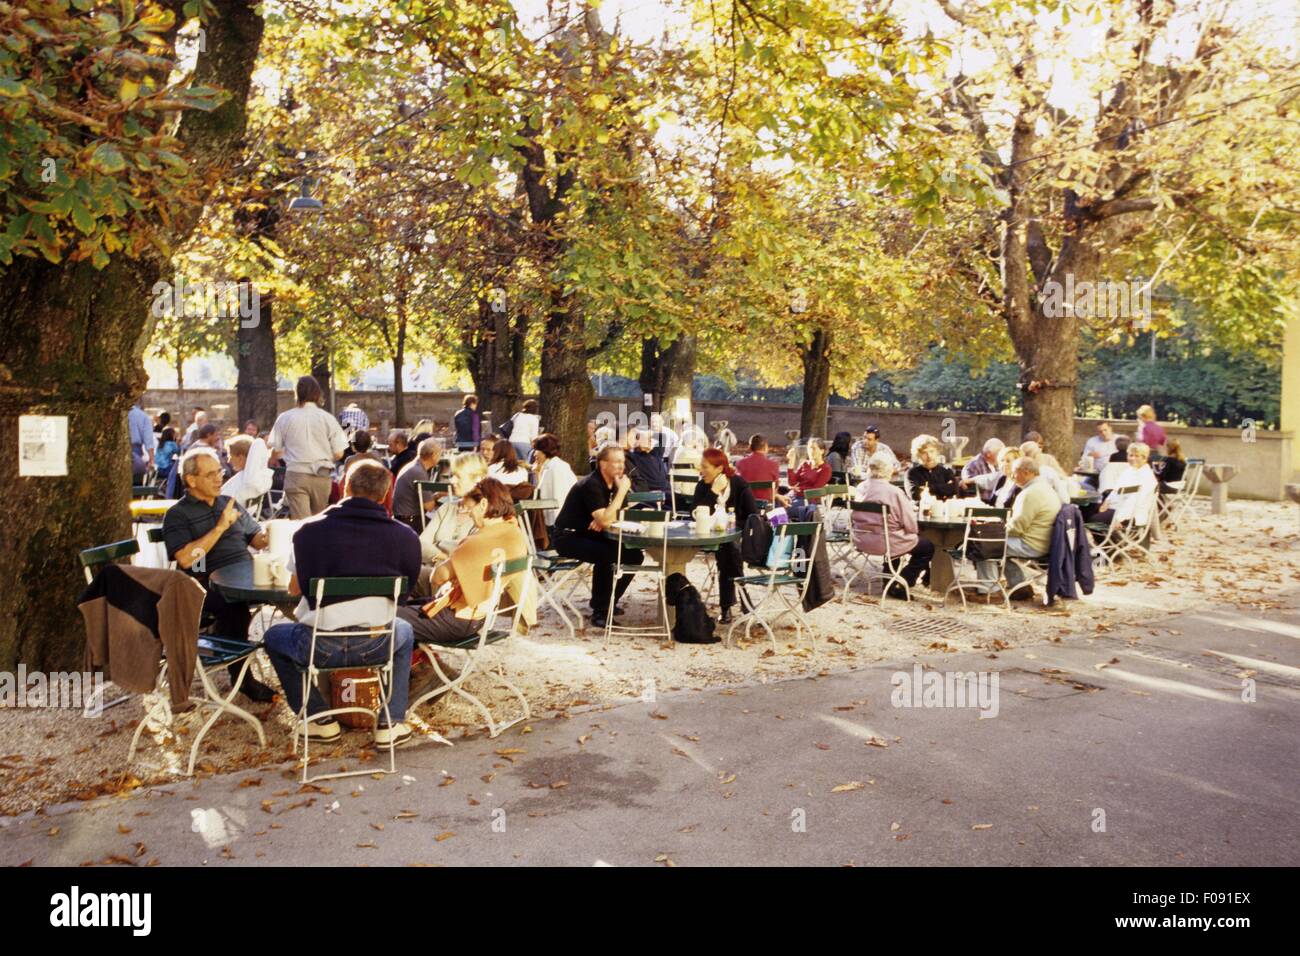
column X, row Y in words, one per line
column 206, row 530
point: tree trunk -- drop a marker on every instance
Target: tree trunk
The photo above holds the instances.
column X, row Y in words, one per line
column 497, row 361
column 180, row 382
column 667, row 374
column 399, row 393
column 72, row 344
column 320, row 371
column 816, row 357
column 566, row 391
column 255, row 362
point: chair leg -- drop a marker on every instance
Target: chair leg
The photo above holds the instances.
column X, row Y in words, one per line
column 223, row 705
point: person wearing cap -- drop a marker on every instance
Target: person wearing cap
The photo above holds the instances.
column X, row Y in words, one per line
column 868, row 447
column 353, row 418
column 985, row 463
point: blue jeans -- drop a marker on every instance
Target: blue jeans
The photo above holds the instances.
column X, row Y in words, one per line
column 289, row 644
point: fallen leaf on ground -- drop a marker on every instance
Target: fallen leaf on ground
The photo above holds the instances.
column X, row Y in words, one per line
column 845, row 787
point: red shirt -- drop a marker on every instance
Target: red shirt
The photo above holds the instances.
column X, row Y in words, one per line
column 756, row 467
column 806, row 477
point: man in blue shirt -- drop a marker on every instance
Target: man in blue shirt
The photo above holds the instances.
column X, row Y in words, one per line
column 140, row 428
column 354, row 538
column 207, row 530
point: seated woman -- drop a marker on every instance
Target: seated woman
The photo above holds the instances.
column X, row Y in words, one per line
column 463, row 582
column 813, row 473
column 452, row 522
column 1172, row 467
column 504, row 465
column 1138, row 474
column 720, row 485
column 869, row 537
column 928, row 471
column 168, row 452
column 252, row 477
column 839, row 457
column 554, row 475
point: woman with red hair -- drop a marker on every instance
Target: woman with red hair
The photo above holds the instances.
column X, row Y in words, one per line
column 719, row 484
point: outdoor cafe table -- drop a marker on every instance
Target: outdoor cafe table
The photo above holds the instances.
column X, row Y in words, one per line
column 683, row 544
column 234, row 583
column 943, row 535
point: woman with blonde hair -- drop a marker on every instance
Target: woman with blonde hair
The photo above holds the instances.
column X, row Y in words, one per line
column 453, row 521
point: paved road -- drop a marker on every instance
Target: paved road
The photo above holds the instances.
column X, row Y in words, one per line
column 1160, row 742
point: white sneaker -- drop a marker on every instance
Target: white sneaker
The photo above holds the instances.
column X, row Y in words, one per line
column 396, row 735
column 323, row 730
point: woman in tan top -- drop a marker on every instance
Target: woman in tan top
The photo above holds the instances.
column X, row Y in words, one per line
column 463, row 583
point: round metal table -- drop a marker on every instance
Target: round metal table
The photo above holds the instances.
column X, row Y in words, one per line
column 235, row 584
column 683, row 544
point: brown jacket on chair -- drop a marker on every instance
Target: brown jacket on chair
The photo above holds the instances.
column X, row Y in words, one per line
column 133, row 616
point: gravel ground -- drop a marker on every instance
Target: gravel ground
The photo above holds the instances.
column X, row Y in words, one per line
column 1243, row 560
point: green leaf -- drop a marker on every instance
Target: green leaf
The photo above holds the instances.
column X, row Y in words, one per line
column 11, row 89
column 107, row 159
column 82, row 219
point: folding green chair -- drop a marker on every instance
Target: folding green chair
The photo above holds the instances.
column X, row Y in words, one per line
column 985, row 533
column 763, row 503
column 890, row 571
column 214, row 653
column 350, row 588
column 833, row 501
column 645, row 498
column 556, row 576
column 658, row 571
column 782, row 585
column 476, row 647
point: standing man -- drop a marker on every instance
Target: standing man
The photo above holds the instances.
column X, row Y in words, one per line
column 666, row 439
column 206, row 530
column 353, row 417
column 140, row 429
column 310, row 440
column 646, row 469
column 591, row 506
column 468, row 424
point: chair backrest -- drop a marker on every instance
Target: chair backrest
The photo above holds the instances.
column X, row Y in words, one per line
column 358, row 587
column 645, row 497
column 1110, row 474
column 987, row 526
column 1192, row 477
column 874, row 508
column 500, row 573
column 763, row 503
column 92, row 558
column 430, row 488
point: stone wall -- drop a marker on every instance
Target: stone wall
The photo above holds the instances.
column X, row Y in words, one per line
column 1263, row 464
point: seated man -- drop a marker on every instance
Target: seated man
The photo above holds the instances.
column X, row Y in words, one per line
column 206, row 530
column 645, row 467
column 985, row 463
column 759, row 466
column 354, row 538
column 869, row 537
column 459, row 612
column 406, row 498
column 1029, row 532
column 591, row 506
column 252, row 478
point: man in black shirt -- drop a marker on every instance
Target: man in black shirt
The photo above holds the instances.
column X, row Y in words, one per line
column 591, row 506
column 207, row 530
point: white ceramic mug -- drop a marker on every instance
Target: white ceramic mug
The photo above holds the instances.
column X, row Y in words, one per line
column 263, row 570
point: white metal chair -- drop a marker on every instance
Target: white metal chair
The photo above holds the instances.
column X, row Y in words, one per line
column 658, row 571
column 782, row 585
column 890, row 571
column 214, row 653
column 985, row 535
column 556, row 576
column 350, row 588
column 1129, row 537
column 485, row 643
column 1176, row 508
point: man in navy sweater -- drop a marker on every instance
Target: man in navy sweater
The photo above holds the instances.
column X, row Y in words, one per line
column 354, row 538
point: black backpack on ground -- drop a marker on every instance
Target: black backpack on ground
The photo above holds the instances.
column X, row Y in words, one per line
column 694, row 625
column 755, row 540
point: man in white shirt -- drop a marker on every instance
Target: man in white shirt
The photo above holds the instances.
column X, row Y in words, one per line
column 1098, row 449
column 665, row 438
column 310, row 440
